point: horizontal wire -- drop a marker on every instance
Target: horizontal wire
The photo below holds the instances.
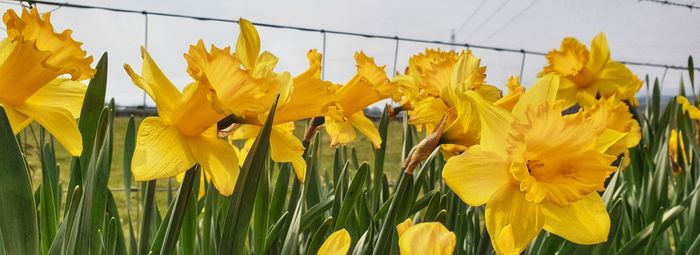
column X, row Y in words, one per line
column 305, row 29
column 664, row 2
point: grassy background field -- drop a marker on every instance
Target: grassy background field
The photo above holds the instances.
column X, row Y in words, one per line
column 30, row 137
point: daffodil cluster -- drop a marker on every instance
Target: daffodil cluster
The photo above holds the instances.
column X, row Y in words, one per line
column 536, row 158
column 540, row 162
column 242, row 86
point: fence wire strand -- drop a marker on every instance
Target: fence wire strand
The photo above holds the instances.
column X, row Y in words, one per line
column 305, row 29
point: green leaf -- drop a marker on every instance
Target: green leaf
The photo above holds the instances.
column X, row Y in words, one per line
column 379, row 154
column 119, row 245
column 96, row 179
column 18, row 218
column 668, row 217
column 351, row 197
column 49, row 208
column 149, row 207
column 184, row 196
column 315, row 213
column 129, row 147
column 279, row 196
column 237, row 222
column 260, row 213
column 275, row 231
column 388, row 227
column 291, row 245
column 93, row 103
column 60, row 244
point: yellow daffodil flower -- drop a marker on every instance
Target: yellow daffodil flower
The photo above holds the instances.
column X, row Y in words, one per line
column 613, row 116
column 689, row 108
column 32, row 58
column 675, row 143
column 427, row 238
column 587, row 75
column 442, row 79
column 537, row 163
column 369, row 85
column 185, row 132
column 338, row 243
column 304, row 96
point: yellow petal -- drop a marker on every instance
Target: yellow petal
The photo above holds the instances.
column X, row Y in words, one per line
column 340, row 131
column 600, row 53
column 469, row 75
column 338, row 243
column 285, row 147
column 428, row 112
column 248, row 45
column 62, row 93
column 403, row 226
column 58, row 121
column 265, row 65
column 244, row 132
column 505, row 241
column 428, row 238
column 156, row 84
column 508, row 213
column 161, row 151
column 582, row 222
column 608, row 138
column 489, row 92
column 218, row 160
column 495, row 123
column 476, row 175
column 616, row 79
column 366, row 127
column 18, row 120
column 545, row 89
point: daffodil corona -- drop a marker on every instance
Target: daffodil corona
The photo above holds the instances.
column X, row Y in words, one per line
column 536, row 162
column 33, row 61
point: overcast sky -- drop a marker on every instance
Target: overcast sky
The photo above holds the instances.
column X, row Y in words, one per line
column 636, row 31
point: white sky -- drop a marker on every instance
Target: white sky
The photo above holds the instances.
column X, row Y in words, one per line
column 636, row 31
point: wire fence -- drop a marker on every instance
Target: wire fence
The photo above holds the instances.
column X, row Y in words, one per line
column 325, row 31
